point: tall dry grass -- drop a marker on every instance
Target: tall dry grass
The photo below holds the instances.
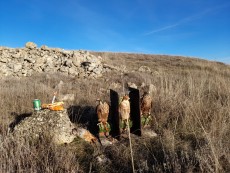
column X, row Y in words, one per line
column 191, row 117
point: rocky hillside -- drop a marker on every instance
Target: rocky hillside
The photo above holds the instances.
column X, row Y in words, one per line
column 32, row 60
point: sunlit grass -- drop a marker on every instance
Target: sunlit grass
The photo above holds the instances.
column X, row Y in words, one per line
column 191, row 117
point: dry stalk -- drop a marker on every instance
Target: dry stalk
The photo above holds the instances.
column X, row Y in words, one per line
column 130, row 145
column 217, row 164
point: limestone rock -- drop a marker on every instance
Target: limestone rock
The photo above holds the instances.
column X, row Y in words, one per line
column 102, row 159
column 97, row 70
column 68, row 63
column 149, row 133
column 44, row 47
column 30, row 45
column 77, row 59
column 144, row 69
column 17, row 55
column 17, row 67
column 4, row 70
column 73, row 72
column 152, row 88
column 54, row 123
column 30, row 61
column 132, row 85
column 115, row 85
column 4, row 59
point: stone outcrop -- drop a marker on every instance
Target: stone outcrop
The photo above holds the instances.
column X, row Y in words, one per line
column 46, row 122
column 144, row 69
column 32, row 60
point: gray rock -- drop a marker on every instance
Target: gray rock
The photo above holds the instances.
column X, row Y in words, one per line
column 115, row 85
column 5, row 54
column 93, row 64
column 49, row 61
column 103, row 160
column 29, row 72
column 132, row 85
column 4, row 70
column 30, row 45
column 90, row 68
column 30, row 60
column 106, row 142
column 24, row 72
column 77, row 60
column 81, row 75
column 4, row 59
column 49, row 69
column 40, row 60
column 17, row 67
column 33, row 52
column 44, row 47
column 10, row 66
column 68, row 63
column 64, row 69
column 38, row 69
column 149, row 133
column 152, row 88
column 97, row 70
column 110, row 67
column 17, row 55
column 144, row 69
column 55, row 123
column 73, row 71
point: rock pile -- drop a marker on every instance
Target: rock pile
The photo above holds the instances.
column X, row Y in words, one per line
column 54, row 123
column 32, row 60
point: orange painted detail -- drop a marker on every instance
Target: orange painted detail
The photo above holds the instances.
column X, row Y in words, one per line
column 57, row 106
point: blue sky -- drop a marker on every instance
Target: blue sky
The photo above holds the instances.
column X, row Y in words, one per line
column 195, row 28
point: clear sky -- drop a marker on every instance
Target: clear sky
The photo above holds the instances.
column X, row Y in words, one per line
column 195, row 28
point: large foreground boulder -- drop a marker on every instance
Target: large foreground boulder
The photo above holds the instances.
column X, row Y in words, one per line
column 55, row 124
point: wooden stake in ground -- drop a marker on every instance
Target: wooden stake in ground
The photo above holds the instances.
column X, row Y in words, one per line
column 130, row 145
column 135, row 115
column 54, row 97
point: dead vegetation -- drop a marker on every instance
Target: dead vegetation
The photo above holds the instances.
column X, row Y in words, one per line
column 191, row 109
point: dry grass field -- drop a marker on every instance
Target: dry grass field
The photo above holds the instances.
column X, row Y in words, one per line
column 191, row 117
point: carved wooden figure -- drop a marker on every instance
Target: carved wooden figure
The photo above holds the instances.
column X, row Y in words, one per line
column 102, row 110
column 124, row 110
column 146, row 107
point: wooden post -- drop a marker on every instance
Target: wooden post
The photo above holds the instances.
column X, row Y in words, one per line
column 135, row 113
column 114, row 100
